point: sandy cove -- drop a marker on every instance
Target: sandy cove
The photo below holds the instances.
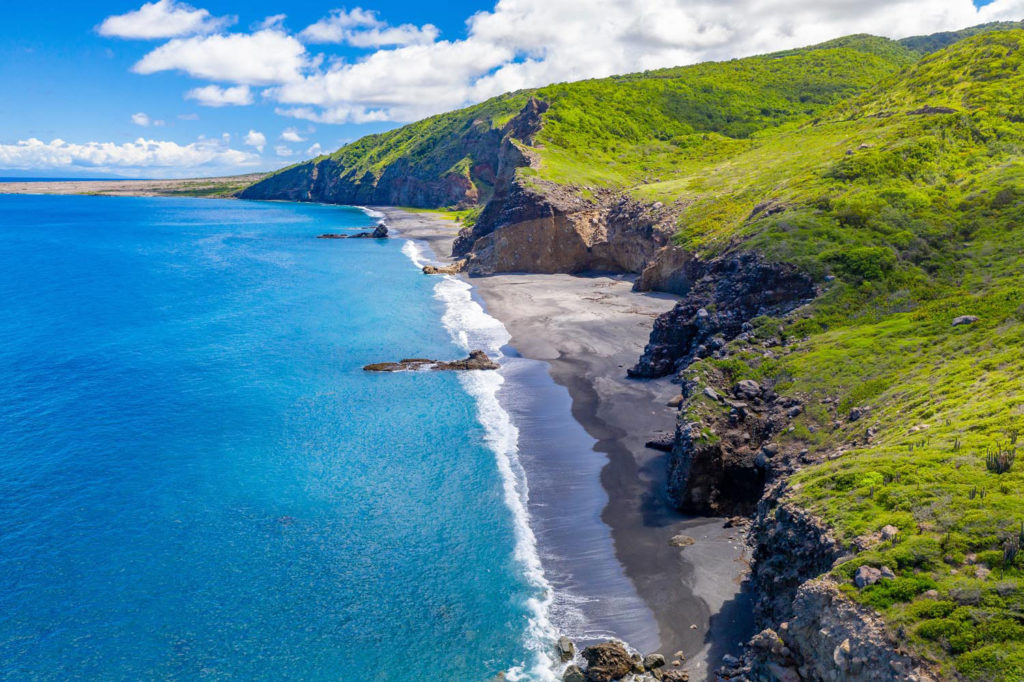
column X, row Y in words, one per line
column 589, row 329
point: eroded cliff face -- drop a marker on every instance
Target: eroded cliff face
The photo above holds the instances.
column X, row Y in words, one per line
column 721, row 295
column 543, row 228
column 811, row 631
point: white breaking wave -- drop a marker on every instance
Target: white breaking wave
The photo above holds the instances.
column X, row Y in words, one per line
column 471, row 328
column 370, row 212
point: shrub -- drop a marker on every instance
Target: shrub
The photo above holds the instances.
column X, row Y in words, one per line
column 862, row 263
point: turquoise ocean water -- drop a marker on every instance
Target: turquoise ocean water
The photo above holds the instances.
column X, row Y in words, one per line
column 198, row 481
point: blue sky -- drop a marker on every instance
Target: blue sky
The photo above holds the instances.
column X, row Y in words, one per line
column 173, row 89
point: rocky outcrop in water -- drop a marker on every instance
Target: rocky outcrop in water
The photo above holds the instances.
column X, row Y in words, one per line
column 379, row 232
column 477, row 360
column 452, row 269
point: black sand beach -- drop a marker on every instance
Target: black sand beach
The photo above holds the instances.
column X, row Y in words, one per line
column 589, row 329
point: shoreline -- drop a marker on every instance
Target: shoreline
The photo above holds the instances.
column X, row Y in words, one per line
column 587, row 330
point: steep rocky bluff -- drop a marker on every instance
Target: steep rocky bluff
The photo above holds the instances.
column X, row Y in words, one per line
column 842, row 224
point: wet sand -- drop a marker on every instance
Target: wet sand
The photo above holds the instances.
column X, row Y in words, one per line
column 589, row 329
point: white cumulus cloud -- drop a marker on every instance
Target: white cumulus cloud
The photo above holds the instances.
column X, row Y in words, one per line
column 315, row 150
column 163, row 19
column 141, row 119
column 142, row 153
column 256, row 139
column 292, row 135
column 363, row 28
column 261, row 58
column 216, row 96
column 283, row 150
column 275, row 21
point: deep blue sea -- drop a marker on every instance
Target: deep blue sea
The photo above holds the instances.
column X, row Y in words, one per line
column 198, row 481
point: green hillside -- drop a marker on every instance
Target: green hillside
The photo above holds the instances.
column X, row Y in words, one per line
column 912, row 198
column 610, row 132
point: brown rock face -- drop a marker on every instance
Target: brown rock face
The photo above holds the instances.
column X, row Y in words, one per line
column 607, row 662
column 546, row 228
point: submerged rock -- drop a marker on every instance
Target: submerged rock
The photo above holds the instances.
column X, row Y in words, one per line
column 477, row 360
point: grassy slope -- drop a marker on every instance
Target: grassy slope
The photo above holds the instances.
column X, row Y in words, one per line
column 631, row 130
column 920, row 218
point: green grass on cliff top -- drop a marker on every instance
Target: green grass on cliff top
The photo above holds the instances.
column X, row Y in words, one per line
column 919, row 217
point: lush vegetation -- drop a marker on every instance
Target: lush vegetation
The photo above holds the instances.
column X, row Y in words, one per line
column 907, row 203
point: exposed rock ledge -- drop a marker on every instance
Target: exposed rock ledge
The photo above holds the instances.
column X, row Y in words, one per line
column 477, row 360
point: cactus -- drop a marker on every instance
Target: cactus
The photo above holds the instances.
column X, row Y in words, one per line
column 1001, row 459
column 1010, row 549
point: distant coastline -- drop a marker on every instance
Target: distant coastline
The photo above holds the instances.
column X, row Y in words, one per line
column 214, row 188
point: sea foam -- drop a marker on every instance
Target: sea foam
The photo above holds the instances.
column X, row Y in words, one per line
column 471, row 328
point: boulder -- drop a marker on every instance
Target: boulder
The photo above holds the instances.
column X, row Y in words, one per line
column 681, row 541
column 964, row 320
column 676, row 401
column 566, row 649
column 652, row 661
column 866, row 575
column 711, row 393
column 889, row 532
column 747, row 388
column 607, row 662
